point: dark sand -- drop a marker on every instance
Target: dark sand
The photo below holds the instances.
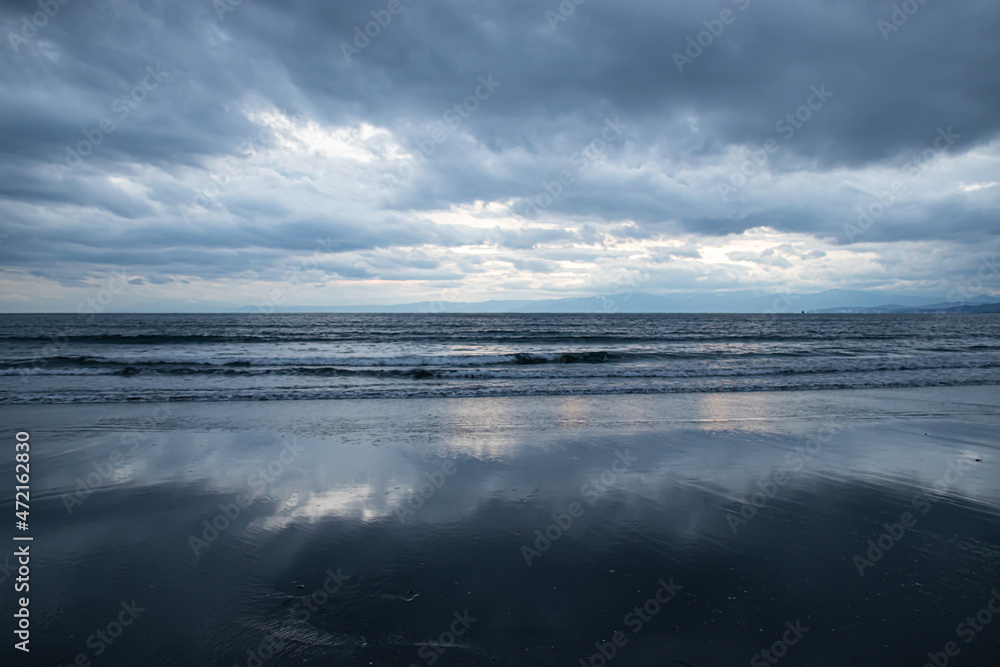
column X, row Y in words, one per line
column 735, row 583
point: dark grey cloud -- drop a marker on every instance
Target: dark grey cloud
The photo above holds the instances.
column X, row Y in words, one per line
column 167, row 87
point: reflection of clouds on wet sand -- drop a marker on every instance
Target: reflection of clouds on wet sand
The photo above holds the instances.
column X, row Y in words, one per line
column 338, row 504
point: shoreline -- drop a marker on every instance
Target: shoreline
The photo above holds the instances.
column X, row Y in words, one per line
column 515, row 395
column 328, row 531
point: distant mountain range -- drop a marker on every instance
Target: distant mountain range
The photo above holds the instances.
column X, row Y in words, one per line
column 829, row 301
column 933, row 308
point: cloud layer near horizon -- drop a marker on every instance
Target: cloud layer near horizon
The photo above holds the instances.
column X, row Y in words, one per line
column 217, row 153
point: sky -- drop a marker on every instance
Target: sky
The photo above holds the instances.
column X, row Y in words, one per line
column 215, row 154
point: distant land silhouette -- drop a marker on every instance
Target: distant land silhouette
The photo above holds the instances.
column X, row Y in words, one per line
column 829, row 301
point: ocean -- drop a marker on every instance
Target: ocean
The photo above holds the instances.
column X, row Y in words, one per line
column 504, row 490
column 118, row 358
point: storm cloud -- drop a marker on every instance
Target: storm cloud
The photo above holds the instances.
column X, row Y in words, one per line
column 393, row 149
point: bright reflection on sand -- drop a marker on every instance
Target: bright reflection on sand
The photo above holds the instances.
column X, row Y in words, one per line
column 356, row 502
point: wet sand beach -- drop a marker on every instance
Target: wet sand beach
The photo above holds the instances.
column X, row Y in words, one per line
column 815, row 528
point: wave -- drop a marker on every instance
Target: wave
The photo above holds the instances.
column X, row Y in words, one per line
column 519, row 358
column 215, row 358
column 453, row 392
column 489, row 365
column 432, row 336
column 538, row 367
